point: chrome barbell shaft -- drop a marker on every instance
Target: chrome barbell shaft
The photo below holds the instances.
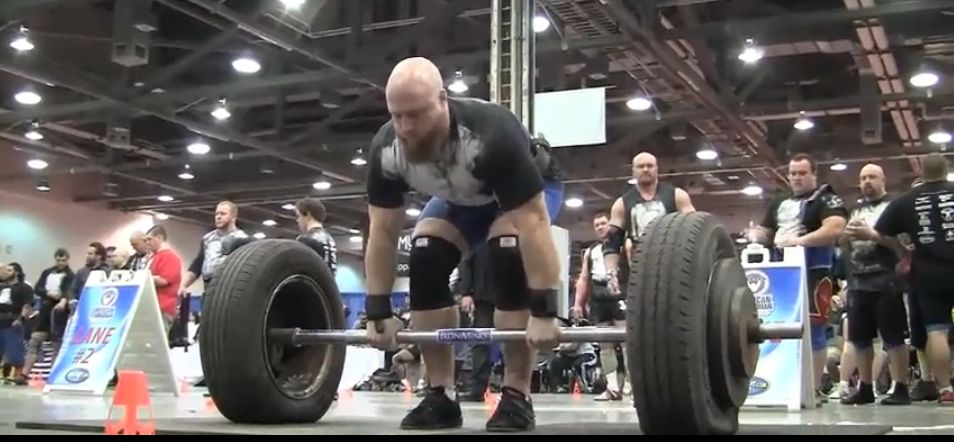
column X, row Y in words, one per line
column 295, row 336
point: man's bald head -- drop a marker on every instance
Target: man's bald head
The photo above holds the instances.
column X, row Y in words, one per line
column 138, row 242
column 934, row 168
column 414, row 76
column 645, row 169
column 871, row 181
column 417, row 103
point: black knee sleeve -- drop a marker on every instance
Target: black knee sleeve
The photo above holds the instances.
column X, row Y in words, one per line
column 508, row 279
column 431, row 263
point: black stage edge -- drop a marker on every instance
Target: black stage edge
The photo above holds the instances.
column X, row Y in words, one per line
column 212, row 426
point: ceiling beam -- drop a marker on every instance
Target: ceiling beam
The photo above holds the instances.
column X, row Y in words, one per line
column 778, row 22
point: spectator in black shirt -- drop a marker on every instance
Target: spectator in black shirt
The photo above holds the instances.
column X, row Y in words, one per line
column 812, row 217
column 477, row 301
column 926, row 215
column 874, row 294
column 51, row 289
column 16, row 305
column 310, row 215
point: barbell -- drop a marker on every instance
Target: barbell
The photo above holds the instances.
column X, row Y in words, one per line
column 273, row 344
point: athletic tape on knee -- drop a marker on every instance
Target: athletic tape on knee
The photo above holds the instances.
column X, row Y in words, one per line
column 508, row 279
column 432, row 260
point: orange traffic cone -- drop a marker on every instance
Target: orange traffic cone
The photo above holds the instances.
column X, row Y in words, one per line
column 37, row 380
column 132, row 393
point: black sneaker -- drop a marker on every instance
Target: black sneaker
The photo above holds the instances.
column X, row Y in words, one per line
column 924, row 391
column 514, row 413
column 436, row 411
column 863, row 395
column 898, row 396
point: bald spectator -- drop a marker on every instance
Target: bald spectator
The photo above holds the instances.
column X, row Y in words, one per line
column 140, row 258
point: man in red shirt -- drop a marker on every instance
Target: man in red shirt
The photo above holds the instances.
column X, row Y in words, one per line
column 166, row 268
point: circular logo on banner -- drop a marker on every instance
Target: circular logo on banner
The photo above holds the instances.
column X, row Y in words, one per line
column 77, row 375
column 109, row 296
column 758, row 386
column 758, row 281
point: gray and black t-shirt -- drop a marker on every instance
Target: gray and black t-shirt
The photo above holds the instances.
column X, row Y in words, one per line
column 489, row 158
column 211, row 252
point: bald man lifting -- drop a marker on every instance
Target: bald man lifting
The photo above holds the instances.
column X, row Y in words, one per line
column 488, row 181
column 630, row 216
column 874, row 293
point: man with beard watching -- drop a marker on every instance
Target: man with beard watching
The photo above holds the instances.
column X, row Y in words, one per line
column 216, row 245
column 16, row 299
column 51, row 289
column 95, row 260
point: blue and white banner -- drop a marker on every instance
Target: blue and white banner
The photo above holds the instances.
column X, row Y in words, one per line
column 94, row 338
column 784, row 366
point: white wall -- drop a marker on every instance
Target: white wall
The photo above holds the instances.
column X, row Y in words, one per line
column 32, row 227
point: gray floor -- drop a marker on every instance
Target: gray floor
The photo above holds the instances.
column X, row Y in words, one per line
column 379, row 413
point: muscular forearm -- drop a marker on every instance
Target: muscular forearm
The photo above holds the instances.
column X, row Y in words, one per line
column 189, row 279
column 611, row 261
column 379, row 264
column 824, row 236
column 539, row 255
column 582, row 292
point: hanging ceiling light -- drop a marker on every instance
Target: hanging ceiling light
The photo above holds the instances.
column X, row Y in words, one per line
column 940, row 137
column 752, row 190
column 22, row 42
column 166, row 198
column 322, row 184
column 246, row 65
column 924, row 78
column 161, row 216
column 838, row 167
column 950, row 177
column 288, row 206
column 631, row 181
column 37, row 164
column 574, row 202
column 354, row 239
column 186, row 173
column 540, row 23
column 221, row 112
column 803, row 123
column 639, row 103
column 293, row 4
column 358, row 159
column 269, row 223
column 28, row 98
column 751, row 53
column 258, row 235
column 198, row 148
column 34, row 133
column 458, row 86
column 707, row 154
column 413, row 212
column 43, row 186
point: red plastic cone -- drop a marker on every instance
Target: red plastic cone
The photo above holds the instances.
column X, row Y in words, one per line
column 132, row 393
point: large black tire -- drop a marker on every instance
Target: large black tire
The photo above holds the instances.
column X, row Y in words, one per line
column 241, row 304
column 667, row 309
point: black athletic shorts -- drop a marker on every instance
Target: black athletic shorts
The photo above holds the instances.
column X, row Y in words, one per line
column 934, row 285
column 606, row 309
column 872, row 312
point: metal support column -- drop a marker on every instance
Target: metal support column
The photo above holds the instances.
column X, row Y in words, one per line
column 512, row 57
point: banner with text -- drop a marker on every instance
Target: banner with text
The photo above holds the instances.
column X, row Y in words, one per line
column 93, row 340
